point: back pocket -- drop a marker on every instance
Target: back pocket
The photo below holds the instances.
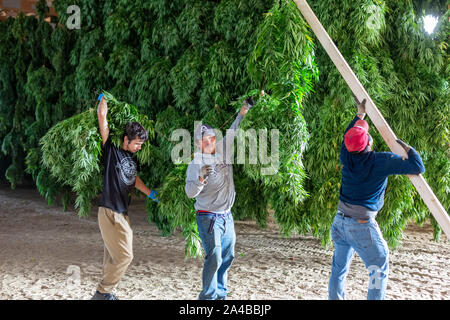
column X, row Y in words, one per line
column 362, row 236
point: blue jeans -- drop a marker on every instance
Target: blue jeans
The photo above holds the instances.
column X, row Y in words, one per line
column 366, row 240
column 218, row 244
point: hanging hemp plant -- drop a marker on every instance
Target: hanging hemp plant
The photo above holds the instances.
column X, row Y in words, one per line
column 405, row 72
column 71, row 150
column 175, row 62
column 279, row 109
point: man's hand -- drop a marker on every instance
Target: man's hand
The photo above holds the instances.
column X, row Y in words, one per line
column 154, row 196
column 248, row 104
column 361, row 105
column 404, row 145
column 205, row 172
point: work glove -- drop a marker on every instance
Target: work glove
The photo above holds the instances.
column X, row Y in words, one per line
column 249, row 103
column 361, row 105
column 404, row 145
column 100, row 97
column 206, row 171
column 154, row 196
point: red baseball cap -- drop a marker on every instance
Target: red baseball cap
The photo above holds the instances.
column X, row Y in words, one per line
column 357, row 137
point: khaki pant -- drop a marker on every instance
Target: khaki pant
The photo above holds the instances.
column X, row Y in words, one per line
column 118, row 253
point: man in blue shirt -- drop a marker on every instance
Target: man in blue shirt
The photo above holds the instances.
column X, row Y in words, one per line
column 364, row 179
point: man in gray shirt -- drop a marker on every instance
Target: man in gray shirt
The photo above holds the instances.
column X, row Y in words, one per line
column 209, row 179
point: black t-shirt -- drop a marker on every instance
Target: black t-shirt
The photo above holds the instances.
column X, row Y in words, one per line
column 119, row 177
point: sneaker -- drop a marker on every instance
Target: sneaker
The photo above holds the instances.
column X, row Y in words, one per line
column 104, row 296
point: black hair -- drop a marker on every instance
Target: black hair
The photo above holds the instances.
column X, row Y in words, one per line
column 135, row 130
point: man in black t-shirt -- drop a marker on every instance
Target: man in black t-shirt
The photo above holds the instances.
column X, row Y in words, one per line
column 119, row 180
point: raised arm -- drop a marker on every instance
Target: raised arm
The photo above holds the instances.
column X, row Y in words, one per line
column 359, row 116
column 391, row 163
column 225, row 147
column 102, row 111
column 247, row 105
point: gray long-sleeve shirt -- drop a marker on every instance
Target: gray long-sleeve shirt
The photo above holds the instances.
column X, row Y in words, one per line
column 217, row 193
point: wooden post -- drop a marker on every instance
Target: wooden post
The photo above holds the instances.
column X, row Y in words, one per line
column 372, row 111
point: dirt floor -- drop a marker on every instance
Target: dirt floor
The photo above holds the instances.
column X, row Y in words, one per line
column 46, row 253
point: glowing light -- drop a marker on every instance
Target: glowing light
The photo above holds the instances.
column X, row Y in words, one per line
column 429, row 23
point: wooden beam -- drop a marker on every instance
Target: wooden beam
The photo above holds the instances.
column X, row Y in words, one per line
column 430, row 199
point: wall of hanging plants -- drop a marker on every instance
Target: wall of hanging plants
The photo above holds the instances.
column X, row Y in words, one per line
column 170, row 63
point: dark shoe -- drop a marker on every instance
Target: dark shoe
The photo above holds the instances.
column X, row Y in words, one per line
column 104, row 296
column 110, row 296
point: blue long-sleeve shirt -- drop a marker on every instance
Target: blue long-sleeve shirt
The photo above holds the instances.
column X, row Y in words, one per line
column 364, row 176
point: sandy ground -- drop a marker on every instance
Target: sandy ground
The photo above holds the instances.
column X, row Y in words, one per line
column 46, row 253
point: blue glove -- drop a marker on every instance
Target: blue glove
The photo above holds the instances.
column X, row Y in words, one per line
column 100, row 96
column 154, row 196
